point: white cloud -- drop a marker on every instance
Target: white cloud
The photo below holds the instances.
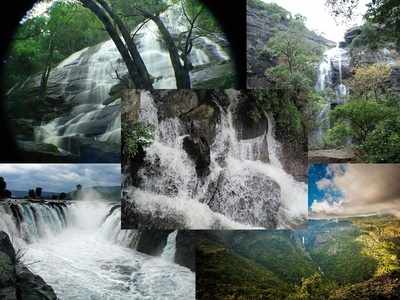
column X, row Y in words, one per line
column 364, row 189
column 318, row 17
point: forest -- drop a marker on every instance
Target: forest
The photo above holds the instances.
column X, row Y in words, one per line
column 355, row 258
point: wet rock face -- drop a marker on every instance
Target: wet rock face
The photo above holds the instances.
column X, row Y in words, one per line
column 247, row 198
column 134, row 218
column 199, row 151
column 185, row 248
column 351, row 34
column 152, row 242
column 16, row 280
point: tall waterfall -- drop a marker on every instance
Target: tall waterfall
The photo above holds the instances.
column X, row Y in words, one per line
column 241, row 191
column 330, row 84
column 85, row 80
column 81, row 252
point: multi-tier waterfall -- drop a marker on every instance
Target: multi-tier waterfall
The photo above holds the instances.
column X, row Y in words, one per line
column 79, row 249
column 84, row 80
column 330, row 84
column 242, row 190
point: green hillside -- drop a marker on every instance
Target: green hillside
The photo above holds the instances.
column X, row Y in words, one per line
column 356, row 258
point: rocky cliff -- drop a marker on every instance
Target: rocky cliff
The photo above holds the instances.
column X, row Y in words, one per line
column 263, row 20
column 17, row 282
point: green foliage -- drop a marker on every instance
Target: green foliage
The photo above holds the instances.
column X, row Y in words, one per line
column 370, row 37
column 383, row 144
column 135, row 137
column 386, row 14
column 360, row 117
column 68, row 27
column 342, row 260
column 221, row 274
column 313, row 288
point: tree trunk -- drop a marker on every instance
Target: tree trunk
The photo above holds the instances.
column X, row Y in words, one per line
column 139, row 81
column 181, row 73
column 46, row 73
column 137, row 59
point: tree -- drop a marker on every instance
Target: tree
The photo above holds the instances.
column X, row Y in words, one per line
column 385, row 13
column 197, row 21
column 358, row 119
column 313, row 288
column 370, row 81
column 113, row 25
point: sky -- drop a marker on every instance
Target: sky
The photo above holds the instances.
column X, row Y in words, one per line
column 318, row 17
column 59, row 177
column 339, row 190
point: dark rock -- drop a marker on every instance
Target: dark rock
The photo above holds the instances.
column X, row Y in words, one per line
column 201, row 122
column 41, row 152
column 6, row 246
column 351, row 34
column 134, row 218
column 173, row 103
column 199, row 151
column 152, row 242
column 31, row 286
column 90, row 150
column 246, row 198
column 185, row 248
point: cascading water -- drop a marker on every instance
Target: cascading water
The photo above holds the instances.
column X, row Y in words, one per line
column 241, row 191
column 81, row 252
column 170, row 248
column 85, row 79
column 330, row 85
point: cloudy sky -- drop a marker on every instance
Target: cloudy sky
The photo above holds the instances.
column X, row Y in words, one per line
column 354, row 189
column 318, row 17
column 59, row 177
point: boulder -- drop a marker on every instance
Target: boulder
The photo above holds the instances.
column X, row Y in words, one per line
column 134, row 218
column 6, row 246
column 31, row 286
column 246, row 197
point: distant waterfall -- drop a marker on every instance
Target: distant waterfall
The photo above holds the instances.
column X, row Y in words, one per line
column 170, row 248
column 330, row 81
column 229, row 197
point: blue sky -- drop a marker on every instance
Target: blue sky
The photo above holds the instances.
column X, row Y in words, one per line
column 321, row 184
column 59, row 177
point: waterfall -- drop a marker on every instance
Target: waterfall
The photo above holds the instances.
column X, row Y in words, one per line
column 330, row 78
column 85, row 79
column 170, row 248
column 79, row 249
column 230, row 196
column 28, row 222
